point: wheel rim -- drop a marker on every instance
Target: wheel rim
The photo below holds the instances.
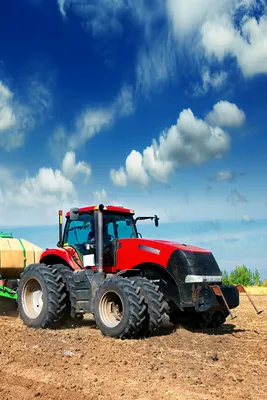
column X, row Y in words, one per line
column 32, row 298
column 111, row 309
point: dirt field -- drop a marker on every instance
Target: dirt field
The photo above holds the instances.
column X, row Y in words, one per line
column 78, row 363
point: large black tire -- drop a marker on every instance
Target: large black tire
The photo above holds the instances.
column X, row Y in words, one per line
column 218, row 319
column 67, row 278
column 126, row 320
column 45, row 306
column 155, row 305
column 203, row 320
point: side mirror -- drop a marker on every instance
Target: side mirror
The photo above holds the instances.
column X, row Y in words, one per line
column 156, row 220
column 74, row 214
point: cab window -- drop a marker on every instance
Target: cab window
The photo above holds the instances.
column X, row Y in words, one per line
column 78, row 232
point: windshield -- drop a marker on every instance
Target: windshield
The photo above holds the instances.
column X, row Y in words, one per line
column 81, row 231
column 119, row 226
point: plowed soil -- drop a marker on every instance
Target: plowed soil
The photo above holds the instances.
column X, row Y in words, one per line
column 78, row 363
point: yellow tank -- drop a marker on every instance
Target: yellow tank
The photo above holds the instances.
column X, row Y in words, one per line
column 15, row 255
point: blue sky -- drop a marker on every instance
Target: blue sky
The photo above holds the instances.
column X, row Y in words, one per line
column 159, row 107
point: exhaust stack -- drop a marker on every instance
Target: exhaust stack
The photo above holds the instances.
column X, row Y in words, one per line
column 100, row 244
column 60, row 242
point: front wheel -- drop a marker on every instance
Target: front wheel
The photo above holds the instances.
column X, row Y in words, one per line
column 41, row 296
column 205, row 320
column 155, row 305
column 119, row 308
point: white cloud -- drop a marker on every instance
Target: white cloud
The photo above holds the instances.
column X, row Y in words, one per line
column 15, row 120
column 217, row 29
column 62, row 5
column 134, row 171
column 248, row 44
column 46, row 188
column 124, row 103
column 70, row 168
column 89, row 123
column 159, row 169
column 156, row 63
column 246, row 219
column 224, row 176
column 7, row 116
column 119, row 177
column 40, row 196
column 213, row 81
column 187, row 15
column 226, row 114
column 100, row 196
column 40, row 97
column 93, row 120
column 191, row 141
column 178, row 31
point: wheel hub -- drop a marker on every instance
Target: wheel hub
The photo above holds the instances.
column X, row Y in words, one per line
column 111, row 309
column 32, row 298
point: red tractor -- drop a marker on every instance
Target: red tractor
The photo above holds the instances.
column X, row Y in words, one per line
column 103, row 266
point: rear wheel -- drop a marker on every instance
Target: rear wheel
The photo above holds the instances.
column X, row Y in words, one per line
column 155, row 305
column 41, row 296
column 119, row 308
column 67, row 278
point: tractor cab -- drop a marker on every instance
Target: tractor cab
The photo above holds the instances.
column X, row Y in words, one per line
column 94, row 234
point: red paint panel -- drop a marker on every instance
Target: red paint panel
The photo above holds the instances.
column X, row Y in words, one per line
column 108, row 208
column 137, row 251
column 65, row 254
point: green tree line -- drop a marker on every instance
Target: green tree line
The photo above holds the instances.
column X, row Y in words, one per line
column 243, row 276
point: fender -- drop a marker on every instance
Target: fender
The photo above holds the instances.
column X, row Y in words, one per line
column 67, row 256
column 154, row 271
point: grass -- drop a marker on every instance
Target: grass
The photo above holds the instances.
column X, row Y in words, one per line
column 256, row 290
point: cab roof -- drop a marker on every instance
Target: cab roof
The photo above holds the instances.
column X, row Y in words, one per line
column 118, row 209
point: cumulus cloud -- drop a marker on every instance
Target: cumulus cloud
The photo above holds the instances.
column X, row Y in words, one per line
column 223, row 28
column 41, row 194
column 119, row 177
column 191, row 141
column 46, row 188
column 15, row 120
column 187, row 15
column 70, row 168
column 226, row 114
column 220, row 38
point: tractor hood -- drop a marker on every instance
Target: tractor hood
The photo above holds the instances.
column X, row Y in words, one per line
column 163, row 245
column 175, row 245
column 184, row 262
